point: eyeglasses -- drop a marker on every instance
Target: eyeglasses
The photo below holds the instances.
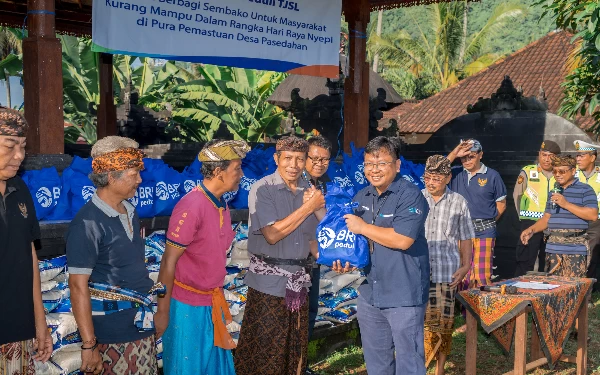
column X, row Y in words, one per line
column 560, row 171
column 380, row 165
column 435, row 180
column 322, row 161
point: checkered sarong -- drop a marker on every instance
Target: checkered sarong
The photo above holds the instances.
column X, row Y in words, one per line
column 482, row 263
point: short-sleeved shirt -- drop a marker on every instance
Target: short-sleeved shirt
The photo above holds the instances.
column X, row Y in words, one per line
column 396, row 277
column 481, row 190
column 448, row 222
column 196, row 228
column 581, row 195
column 101, row 244
column 271, row 200
column 18, row 229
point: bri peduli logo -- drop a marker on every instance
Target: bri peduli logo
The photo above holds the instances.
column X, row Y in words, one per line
column 165, row 191
column 87, row 192
column 45, row 198
column 246, row 183
column 344, row 238
column 189, row 185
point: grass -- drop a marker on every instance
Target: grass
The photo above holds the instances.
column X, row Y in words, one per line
column 490, row 359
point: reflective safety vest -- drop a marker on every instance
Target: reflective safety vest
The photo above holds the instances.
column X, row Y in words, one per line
column 593, row 181
column 533, row 200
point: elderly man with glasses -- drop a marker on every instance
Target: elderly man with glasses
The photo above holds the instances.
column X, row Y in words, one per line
column 485, row 193
column 568, row 214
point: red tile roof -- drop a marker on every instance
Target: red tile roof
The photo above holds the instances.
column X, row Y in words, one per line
column 540, row 64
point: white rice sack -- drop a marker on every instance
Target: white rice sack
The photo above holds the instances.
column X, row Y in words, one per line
column 234, row 309
column 51, row 268
column 230, row 296
column 239, row 317
column 159, row 352
column 343, row 280
column 233, row 327
column 235, row 336
column 62, row 279
column 358, row 282
column 53, row 298
column 323, row 310
column 239, row 254
column 61, row 363
column 322, row 322
column 48, row 285
column 325, row 283
column 229, row 278
column 154, row 276
column 64, row 333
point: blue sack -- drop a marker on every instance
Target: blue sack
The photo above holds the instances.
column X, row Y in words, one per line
column 45, row 188
column 336, row 242
column 167, row 194
column 62, row 210
column 338, row 175
column 254, row 166
column 354, row 167
column 81, row 188
column 191, row 177
column 412, row 172
column 143, row 201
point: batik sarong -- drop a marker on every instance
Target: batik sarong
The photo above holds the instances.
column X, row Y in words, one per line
column 566, row 265
column 482, row 263
column 137, row 357
column 16, row 358
column 188, row 343
column 439, row 320
column 273, row 339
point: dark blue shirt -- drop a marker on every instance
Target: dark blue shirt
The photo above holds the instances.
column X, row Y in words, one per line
column 581, row 195
column 481, row 191
column 396, row 277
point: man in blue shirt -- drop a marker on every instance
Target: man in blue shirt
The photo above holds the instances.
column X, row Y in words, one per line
column 485, row 193
column 567, row 216
column 391, row 305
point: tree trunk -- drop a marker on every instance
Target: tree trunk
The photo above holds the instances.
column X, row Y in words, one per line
column 379, row 21
column 7, row 78
column 464, row 36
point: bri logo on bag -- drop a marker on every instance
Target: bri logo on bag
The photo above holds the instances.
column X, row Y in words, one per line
column 246, row 183
column 344, row 238
column 45, row 198
column 87, row 192
column 165, row 191
column 189, row 185
column 343, row 182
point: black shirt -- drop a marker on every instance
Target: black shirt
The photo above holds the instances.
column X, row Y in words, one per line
column 18, row 229
column 320, row 182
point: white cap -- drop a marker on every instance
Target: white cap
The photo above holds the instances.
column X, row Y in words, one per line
column 581, row 146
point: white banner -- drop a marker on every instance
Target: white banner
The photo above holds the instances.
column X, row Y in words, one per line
column 300, row 37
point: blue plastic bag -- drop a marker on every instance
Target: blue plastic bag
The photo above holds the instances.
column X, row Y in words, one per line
column 81, row 188
column 166, row 191
column 62, row 210
column 412, row 172
column 354, row 167
column 336, row 242
column 45, row 188
column 191, row 177
column 143, row 201
column 338, row 175
column 255, row 166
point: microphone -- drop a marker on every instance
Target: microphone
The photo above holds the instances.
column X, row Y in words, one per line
column 557, row 189
column 502, row 289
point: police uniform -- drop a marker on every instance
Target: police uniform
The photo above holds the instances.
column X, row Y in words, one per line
column 594, row 227
column 530, row 196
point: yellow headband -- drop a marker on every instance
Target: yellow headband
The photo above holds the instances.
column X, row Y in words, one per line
column 223, row 151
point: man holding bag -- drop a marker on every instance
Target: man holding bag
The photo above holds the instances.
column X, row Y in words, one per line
column 282, row 226
column 391, row 305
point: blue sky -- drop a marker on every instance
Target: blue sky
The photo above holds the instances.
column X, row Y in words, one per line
column 16, row 92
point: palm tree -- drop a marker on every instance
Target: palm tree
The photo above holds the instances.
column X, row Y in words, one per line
column 446, row 53
column 10, row 58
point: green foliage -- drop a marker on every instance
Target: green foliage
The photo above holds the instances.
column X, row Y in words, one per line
column 11, row 57
column 582, row 86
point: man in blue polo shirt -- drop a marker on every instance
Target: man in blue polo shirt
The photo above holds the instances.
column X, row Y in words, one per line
column 567, row 217
column 392, row 300
column 485, row 193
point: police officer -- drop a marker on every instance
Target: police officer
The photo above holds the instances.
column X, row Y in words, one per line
column 588, row 173
column 530, row 196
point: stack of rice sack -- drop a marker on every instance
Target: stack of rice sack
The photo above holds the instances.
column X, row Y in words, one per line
column 66, row 341
column 238, row 261
column 337, row 297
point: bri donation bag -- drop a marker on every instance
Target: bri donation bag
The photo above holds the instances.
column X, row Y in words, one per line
column 336, row 242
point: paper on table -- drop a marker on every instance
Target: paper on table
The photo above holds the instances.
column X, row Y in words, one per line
column 534, row 285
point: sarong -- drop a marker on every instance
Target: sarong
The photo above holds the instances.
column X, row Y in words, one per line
column 566, row 265
column 273, row 339
column 16, row 358
column 482, row 263
column 188, row 343
column 137, row 357
column 439, row 321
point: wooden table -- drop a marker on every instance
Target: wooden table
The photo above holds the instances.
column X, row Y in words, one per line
column 521, row 366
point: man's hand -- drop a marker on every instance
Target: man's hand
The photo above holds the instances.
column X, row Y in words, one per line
column 161, row 322
column 559, row 199
column 315, row 200
column 463, row 149
column 91, row 361
column 526, row 235
column 43, row 345
column 459, row 275
column 337, row 267
column 354, row 223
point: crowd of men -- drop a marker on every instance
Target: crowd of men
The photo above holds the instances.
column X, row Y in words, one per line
column 425, row 246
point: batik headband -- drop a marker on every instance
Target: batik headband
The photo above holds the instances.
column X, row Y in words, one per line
column 118, row 160
column 438, row 164
column 223, row 151
column 12, row 123
column 563, row 161
column 292, row 143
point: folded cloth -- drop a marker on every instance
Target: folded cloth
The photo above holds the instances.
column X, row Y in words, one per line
column 296, row 288
column 108, row 299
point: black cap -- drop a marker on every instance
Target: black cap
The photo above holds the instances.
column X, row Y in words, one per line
column 550, row 146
